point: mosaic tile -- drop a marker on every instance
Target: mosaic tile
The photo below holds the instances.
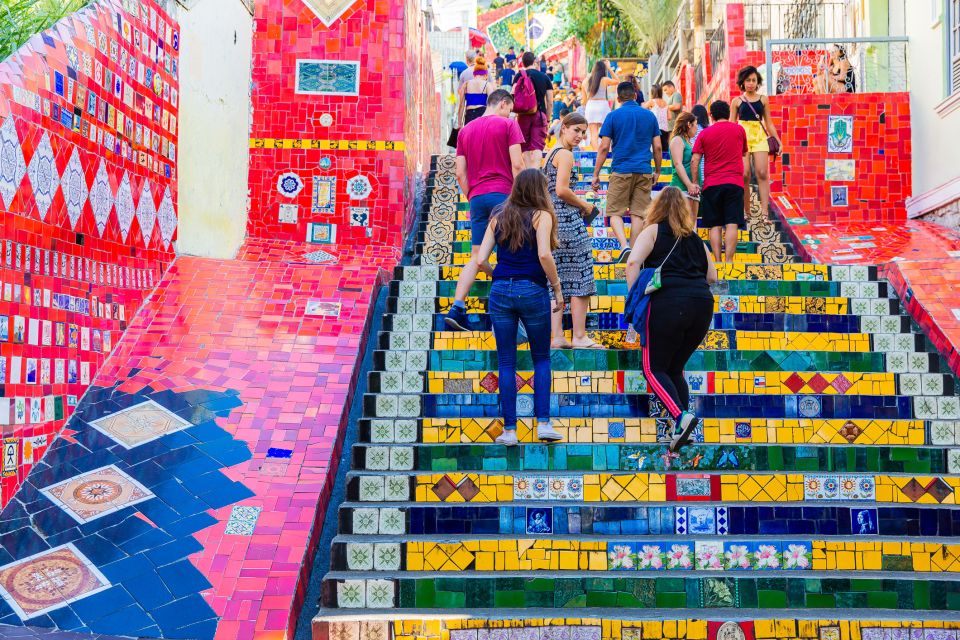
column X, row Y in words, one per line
column 49, row 580
column 243, row 521
column 97, row 493
column 140, row 424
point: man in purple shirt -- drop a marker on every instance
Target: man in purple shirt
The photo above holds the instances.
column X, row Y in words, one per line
column 488, row 159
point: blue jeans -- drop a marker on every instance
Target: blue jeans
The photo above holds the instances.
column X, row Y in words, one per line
column 480, row 209
column 510, row 302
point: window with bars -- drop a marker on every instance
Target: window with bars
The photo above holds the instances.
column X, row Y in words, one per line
column 953, row 44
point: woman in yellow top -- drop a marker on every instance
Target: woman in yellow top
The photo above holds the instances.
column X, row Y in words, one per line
column 752, row 111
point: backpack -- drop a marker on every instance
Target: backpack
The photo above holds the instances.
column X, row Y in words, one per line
column 524, row 94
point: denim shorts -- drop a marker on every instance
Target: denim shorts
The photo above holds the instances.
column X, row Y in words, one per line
column 480, row 209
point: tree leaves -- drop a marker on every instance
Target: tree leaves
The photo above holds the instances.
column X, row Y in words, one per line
column 22, row 19
column 649, row 21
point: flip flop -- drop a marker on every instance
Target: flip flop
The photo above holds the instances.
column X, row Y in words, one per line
column 592, row 345
column 565, row 346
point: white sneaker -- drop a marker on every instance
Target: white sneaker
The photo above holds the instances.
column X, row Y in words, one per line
column 508, row 438
column 547, row 432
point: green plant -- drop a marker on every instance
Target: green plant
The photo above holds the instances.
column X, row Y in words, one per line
column 21, row 19
column 610, row 37
column 649, row 21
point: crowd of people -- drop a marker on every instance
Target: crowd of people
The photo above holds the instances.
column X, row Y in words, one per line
column 524, row 205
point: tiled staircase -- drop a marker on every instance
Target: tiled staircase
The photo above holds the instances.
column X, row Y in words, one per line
column 818, row 502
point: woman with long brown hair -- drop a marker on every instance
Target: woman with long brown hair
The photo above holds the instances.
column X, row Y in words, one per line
column 681, row 311
column 595, row 100
column 524, row 231
column 574, row 256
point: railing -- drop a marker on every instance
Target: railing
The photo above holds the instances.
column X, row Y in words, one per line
column 669, row 58
column 826, row 65
column 717, row 46
column 782, row 19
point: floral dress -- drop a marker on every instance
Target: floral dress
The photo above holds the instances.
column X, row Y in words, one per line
column 574, row 255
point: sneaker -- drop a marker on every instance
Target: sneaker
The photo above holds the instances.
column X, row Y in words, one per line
column 547, row 432
column 682, row 430
column 508, row 438
column 623, row 256
column 457, row 319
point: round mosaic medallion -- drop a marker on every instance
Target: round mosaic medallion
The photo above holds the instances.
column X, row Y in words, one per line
column 289, row 184
column 97, row 491
column 326, row 162
column 730, row 631
column 48, row 581
column 326, row 119
column 809, row 407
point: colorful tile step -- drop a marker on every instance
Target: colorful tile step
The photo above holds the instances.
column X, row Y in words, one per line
column 446, row 289
column 458, row 253
column 736, row 321
column 741, row 430
column 731, row 554
column 621, row 626
column 710, row 593
column 567, row 487
column 710, row 382
column 630, row 359
column 362, row 520
column 608, row 405
column 631, row 457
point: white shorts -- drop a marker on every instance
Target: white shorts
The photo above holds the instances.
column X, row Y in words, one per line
column 596, row 110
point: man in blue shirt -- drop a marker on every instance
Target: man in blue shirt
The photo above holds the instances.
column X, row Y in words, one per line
column 633, row 134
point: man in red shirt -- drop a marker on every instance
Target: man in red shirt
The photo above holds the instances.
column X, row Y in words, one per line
column 488, row 159
column 722, row 146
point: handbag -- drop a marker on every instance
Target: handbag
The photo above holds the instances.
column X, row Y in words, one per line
column 655, row 282
column 772, row 143
column 452, row 140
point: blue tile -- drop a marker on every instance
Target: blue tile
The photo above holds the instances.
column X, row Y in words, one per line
column 182, row 578
column 148, row 590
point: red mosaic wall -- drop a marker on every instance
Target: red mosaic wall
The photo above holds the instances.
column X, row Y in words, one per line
column 88, row 123
column 881, row 155
column 359, row 152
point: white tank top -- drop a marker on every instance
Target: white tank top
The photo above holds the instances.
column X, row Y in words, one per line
column 661, row 114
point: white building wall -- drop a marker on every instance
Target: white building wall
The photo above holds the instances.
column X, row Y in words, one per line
column 216, row 44
column 935, row 117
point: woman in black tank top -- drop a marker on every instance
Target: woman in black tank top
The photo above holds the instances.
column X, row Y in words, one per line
column 680, row 313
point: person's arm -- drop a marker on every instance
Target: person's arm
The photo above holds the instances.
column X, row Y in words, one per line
column 657, row 157
column 711, row 267
column 548, row 99
column 544, row 226
column 695, row 165
column 675, row 105
column 488, row 243
column 641, row 251
column 602, row 153
column 564, row 163
column 462, row 175
column 516, row 159
column 676, row 151
column 735, row 110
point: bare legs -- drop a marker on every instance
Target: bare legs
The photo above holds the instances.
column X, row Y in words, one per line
column 594, row 129
column 761, row 168
column 579, row 306
column 619, row 230
column 727, row 235
column 469, row 274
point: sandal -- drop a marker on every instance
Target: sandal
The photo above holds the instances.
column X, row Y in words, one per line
column 561, row 345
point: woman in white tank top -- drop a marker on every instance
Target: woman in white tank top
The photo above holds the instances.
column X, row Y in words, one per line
column 596, row 103
column 658, row 106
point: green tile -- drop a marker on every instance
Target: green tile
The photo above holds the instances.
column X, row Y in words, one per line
column 772, row 600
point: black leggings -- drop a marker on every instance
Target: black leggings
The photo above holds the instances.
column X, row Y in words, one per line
column 675, row 328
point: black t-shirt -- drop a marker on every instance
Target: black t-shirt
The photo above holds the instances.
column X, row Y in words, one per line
column 541, row 84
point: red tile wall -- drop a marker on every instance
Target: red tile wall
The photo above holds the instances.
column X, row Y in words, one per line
column 881, row 152
column 396, row 102
column 100, row 88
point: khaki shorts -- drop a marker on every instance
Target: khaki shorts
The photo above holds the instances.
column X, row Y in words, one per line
column 629, row 191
